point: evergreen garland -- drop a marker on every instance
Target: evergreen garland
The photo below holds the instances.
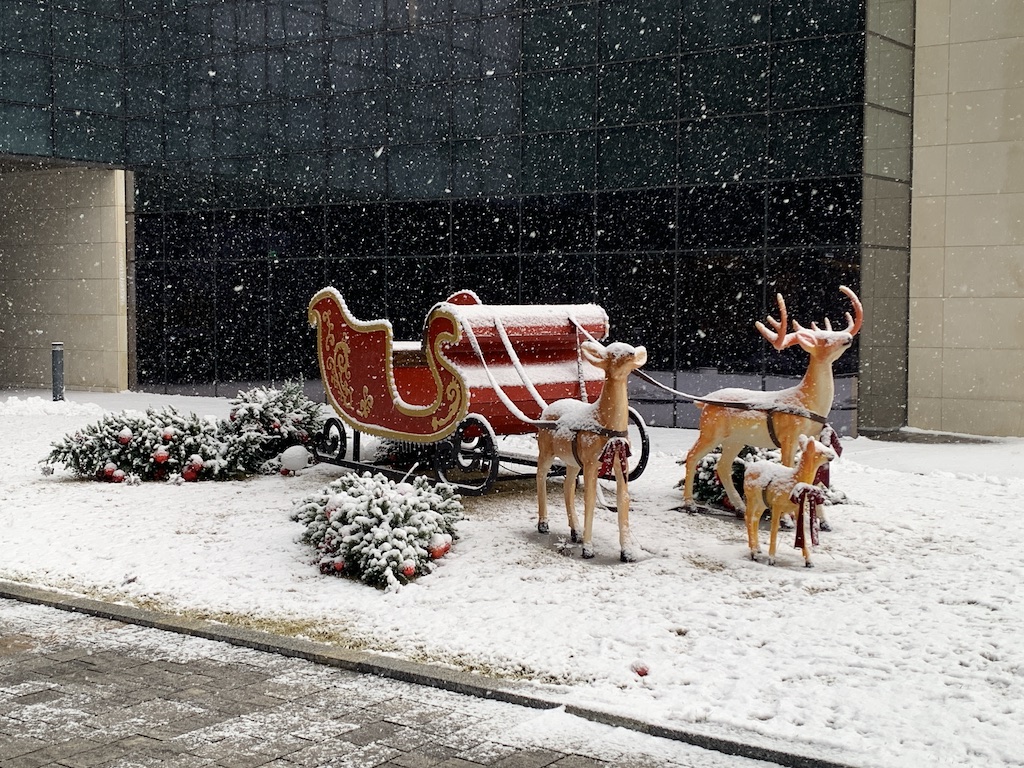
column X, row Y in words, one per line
column 382, row 532
column 162, row 444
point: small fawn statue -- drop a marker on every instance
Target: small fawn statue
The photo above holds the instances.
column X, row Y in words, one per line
column 780, row 490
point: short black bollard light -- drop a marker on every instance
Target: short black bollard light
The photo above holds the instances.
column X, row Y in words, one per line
column 57, row 369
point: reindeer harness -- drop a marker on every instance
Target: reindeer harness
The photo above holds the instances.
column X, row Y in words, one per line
column 617, row 447
column 807, row 498
column 770, row 412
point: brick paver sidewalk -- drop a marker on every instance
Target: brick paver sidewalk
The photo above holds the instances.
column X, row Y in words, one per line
column 80, row 691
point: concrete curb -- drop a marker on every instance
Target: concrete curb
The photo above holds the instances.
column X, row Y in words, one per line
column 384, row 666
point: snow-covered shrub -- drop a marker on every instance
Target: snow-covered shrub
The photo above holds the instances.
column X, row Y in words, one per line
column 382, row 532
column 164, row 444
column 707, row 488
column 265, row 421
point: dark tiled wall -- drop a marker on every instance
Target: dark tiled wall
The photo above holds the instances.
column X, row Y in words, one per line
column 61, row 79
column 678, row 161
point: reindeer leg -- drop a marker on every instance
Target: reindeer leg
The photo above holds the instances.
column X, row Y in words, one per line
column 698, row 451
column 729, row 454
column 544, row 460
column 788, row 456
column 776, row 516
column 589, row 503
column 569, row 491
column 805, row 549
column 823, row 523
column 752, row 517
column 622, row 505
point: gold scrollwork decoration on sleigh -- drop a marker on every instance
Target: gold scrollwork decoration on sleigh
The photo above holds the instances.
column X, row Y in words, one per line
column 359, row 376
column 366, row 404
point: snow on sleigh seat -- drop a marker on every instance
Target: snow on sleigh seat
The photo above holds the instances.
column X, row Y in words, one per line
column 521, row 348
column 420, row 392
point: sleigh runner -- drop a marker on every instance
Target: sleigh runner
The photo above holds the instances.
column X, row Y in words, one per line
column 480, row 373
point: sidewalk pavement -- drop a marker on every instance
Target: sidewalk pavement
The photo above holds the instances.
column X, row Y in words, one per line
column 101, row 684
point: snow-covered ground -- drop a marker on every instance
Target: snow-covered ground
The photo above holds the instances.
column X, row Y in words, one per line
column 902, row 646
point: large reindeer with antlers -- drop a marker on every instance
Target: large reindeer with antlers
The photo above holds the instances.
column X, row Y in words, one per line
column 734, row 418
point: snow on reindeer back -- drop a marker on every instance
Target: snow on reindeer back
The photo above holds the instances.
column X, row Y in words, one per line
column 573, row 416
column 766, row 400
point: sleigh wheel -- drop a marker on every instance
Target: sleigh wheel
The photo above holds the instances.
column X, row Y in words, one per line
column 469, row 458
column 640, row 444
column 331, row 444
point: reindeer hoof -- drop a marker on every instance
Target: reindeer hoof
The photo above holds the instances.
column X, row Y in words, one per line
column 825, row 526
column 573, row 536
column 753, row 555
column 771, row 561
column 808, row 564
column 627, row 557
column 542, row 527
column 588, row 553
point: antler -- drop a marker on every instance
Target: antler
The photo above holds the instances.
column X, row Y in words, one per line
column 778, row 337
column 854, row 323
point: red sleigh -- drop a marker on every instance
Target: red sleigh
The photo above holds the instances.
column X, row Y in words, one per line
column 482, row 371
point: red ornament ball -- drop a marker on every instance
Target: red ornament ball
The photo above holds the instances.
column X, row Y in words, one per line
column 285, row 471
column 339, row 565
column 117, row 476
column 409, row 571
column 109, row 469
column 168, row 434
column 189, row 475
column 160, row 455
column 641, row 669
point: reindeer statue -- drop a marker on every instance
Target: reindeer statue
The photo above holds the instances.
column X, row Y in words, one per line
column 784, row 491
column 734, row 418
column 589, row 436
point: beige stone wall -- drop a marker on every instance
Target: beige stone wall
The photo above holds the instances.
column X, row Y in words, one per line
column 966, row 353
column 62, row 277
column 885, row 215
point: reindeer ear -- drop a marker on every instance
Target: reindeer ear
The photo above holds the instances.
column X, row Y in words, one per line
column 594, row 353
